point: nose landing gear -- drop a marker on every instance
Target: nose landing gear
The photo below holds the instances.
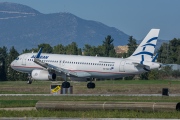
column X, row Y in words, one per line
column 65, row 84
column 29, row 79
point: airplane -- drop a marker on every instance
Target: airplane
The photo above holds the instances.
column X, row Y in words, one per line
column 43, row 66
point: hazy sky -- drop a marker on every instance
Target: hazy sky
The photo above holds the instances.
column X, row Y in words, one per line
column 133, row 17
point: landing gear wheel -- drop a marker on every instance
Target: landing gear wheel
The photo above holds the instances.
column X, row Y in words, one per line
column 29, row 78
column 29, row 81
column 65, row 85
column 91, row 85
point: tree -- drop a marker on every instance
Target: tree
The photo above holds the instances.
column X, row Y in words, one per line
column 169, row 52
column 163, row 53
column 12, row 74
column 87, row 49
column 132, row 45
column 108, row 46
column 30, row 50
column 176, row 73
column 178, row 57
column 79, row 51
column 3, row 63
column 99, row 50
column 165, row 72
column 46, row 48
column 153, row 75
column 173, row 46
column 144, row 76
column 72, row 49
column 90, row 50
column 59, row 49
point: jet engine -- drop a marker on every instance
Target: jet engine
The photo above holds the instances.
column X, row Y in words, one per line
column 43, row 75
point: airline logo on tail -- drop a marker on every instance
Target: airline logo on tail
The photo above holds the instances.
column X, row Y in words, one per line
column 146, row 49
column 144, row 52
column 147, row 44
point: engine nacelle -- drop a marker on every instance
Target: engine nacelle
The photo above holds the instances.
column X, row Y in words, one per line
column 43, row 75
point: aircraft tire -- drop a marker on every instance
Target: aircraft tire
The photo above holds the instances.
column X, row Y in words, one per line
column 29, row 81
column 91, row 85
column 68, row 84
column 65, row 85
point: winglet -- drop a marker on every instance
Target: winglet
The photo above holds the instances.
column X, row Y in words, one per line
column 39, row 53
column 155, row 57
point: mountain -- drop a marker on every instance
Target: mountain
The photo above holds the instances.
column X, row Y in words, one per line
column 24, row 27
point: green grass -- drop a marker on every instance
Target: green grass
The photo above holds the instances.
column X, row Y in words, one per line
column 90, row 114
column 139, row 82
column 44, row 83
column 102, row 87
column 17, row 103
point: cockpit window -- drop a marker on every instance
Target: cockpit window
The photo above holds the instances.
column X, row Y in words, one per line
column 17, row 58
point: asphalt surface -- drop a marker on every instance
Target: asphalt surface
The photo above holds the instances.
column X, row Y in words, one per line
column 51, row 118
column 87, row 95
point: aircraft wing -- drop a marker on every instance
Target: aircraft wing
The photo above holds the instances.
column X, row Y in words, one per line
column 59, row 69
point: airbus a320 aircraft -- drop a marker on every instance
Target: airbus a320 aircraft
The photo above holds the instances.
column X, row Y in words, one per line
column 48, row 66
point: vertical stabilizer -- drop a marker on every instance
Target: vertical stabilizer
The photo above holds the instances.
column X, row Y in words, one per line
column 146, row 49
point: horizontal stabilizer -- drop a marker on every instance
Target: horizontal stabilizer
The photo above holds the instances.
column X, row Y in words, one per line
column 145, row 67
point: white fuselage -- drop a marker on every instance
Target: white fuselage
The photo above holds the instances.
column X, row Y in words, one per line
column 97, row 67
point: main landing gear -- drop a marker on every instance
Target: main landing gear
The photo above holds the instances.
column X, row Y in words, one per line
column 65, row 84
column 91, row 85
column 29, row 79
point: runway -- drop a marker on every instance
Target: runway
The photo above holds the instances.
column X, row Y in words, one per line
column 173, row 95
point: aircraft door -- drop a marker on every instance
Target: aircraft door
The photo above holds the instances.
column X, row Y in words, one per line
column 121, row 67
column 24, row 60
